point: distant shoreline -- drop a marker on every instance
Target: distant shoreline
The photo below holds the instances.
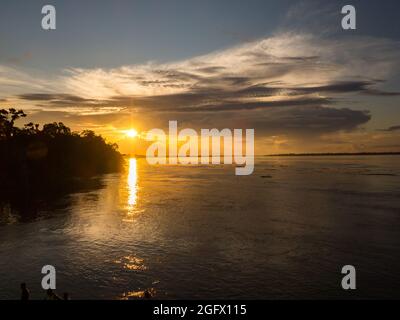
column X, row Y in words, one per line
column 334, row 154
column 306, row 154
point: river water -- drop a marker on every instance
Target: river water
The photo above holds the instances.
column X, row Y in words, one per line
column 202, row 232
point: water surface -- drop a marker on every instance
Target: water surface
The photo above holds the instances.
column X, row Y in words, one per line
column 202, row 232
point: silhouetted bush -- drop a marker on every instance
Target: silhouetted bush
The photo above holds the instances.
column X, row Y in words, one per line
column 51, row 157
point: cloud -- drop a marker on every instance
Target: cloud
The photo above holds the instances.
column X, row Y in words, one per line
column 301, row 63
column 313, row 120
column 287, row 84
column 14, row 81
column 391, row 129
column 57, row 99
column 305, row 121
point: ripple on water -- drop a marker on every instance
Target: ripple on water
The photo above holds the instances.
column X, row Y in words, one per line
column 131, row 262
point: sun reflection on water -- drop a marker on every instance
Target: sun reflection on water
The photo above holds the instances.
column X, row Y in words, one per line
column 132, row 183
column 132, row 263
column 140, row 294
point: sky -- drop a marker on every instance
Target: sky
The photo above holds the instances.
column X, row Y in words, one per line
column 285, row 68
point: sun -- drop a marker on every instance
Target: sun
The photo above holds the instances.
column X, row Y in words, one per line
column 131, row 133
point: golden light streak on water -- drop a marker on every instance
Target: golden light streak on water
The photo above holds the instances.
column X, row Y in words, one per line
column 132, row 184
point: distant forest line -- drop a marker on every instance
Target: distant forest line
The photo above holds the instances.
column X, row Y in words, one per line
column 310, row 154
column 333, row 154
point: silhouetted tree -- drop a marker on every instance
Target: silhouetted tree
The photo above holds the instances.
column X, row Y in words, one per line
column 34, row 159
column 31, row 128
column 56, row 129
column 7, row 121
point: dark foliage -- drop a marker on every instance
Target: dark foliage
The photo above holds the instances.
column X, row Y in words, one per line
column 34, row 159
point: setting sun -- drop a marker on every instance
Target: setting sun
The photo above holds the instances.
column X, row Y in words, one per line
column 132, row 133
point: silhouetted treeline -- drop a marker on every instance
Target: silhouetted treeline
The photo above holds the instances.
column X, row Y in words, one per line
column 49, row 157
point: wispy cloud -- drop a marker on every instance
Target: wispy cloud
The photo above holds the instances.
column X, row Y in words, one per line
column 14, row 81
column 285, row 61
column 284, row 65
column 289, row 83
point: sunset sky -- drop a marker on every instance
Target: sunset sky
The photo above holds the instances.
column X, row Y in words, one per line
column 285, row 68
